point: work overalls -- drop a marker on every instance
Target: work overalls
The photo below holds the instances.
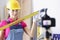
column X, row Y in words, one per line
column 16, row 32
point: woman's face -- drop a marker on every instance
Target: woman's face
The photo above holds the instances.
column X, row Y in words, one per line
column 13, row 13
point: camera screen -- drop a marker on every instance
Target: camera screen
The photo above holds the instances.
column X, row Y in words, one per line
column 46, row 22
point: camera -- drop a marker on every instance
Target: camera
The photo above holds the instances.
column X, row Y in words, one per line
column 50, row 22
column 47, row 21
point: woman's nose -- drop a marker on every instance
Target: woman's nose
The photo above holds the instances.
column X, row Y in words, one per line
column 15, row 12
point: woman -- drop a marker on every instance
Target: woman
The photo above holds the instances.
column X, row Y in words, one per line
column 13, row 32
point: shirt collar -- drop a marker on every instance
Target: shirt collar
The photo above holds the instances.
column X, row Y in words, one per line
column 11, row 19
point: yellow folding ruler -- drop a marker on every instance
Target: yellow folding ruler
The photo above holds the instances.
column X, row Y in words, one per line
column 19, row 20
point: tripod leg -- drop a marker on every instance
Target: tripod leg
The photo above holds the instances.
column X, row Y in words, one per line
column 48, row 35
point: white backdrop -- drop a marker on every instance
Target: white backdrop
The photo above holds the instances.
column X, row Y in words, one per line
column 2, row 8
column 53, row 11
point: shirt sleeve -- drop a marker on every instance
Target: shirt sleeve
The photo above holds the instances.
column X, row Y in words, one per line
column 23, row 24
column 6, row 31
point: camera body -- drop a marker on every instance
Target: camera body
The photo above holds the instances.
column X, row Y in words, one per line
column 48, row 22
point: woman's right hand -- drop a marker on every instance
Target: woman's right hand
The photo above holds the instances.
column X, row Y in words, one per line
column 2, row 35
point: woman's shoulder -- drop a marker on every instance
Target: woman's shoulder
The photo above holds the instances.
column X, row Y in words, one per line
column 3, row 22
column 23, row 24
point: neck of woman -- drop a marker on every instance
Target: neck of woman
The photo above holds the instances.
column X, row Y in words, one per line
column 14, row 18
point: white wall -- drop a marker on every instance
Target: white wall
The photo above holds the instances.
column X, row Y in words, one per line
column 53, row 10
column 2, row 7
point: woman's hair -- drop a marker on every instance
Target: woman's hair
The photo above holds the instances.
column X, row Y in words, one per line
column 8, row 15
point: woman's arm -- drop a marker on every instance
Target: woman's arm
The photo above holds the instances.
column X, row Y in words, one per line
column 2, row 32
column 31, row 32
column 2, row 35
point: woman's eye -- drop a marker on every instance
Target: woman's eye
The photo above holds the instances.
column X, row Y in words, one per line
column 16, row 10
column 13, row 10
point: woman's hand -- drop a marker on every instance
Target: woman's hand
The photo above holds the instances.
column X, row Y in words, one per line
column 2, row 35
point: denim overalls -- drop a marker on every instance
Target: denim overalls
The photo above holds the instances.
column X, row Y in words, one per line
column 16, row 33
